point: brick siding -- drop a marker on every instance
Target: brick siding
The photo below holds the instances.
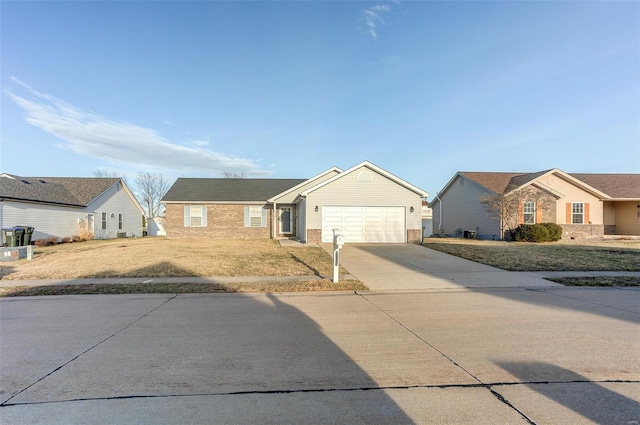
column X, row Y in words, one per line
column 582, row 231
column 314, row 235
column 414, row 236
column 223, row 222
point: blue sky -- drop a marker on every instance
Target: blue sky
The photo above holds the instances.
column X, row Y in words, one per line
column 289, row 89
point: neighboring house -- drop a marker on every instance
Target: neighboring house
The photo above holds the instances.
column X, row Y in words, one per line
column 585, row 205
column 365, row 203
column 155, row 226
column 427, row 220
column 59, row 206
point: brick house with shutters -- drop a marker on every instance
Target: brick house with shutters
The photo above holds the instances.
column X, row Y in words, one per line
column 585, row 205
column 365, row 203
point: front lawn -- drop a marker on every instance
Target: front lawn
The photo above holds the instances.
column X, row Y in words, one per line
column 592, row 255
column 160, row 257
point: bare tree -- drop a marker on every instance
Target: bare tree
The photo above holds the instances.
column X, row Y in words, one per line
column 507, row 207
column 233, row 175
column 101, row 172
column 149, row 189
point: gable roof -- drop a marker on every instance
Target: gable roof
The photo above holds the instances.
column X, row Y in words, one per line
column 617, row 186
column 308, row 181
column 375, row 168
column 68, row 191
column 227, row 190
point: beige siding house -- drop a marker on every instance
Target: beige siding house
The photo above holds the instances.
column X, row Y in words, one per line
column 585, row 205
column 364, row 203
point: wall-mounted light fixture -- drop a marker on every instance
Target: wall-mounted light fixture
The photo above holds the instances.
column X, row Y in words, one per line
column 316, row 208
column 411, row 209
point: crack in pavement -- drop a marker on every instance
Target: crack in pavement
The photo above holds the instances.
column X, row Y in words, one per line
column 420, row 338
column 323, row 390
column 6, row 402
column 501, row 398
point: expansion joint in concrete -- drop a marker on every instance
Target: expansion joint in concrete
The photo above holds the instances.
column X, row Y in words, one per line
column 6, row 402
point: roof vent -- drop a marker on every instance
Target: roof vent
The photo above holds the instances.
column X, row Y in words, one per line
column 42, row 181
column 25, row 181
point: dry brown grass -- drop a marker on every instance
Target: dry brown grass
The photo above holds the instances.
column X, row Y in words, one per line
column 160, row 257
column 572, row 255
column 304, row 285
column 615, row 281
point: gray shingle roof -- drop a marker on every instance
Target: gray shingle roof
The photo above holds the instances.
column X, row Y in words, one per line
column 71, row 191
column 227, row 190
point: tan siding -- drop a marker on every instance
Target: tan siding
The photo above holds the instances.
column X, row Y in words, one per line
column 571, row 194
column 290, row 197
column 627, row 220
column 609, row 213
column 349, row 191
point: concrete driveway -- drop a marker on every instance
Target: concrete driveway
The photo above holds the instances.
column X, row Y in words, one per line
column 490, row 355
column 384, row 267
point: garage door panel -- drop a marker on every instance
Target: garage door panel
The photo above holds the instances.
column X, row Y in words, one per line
column 332, row 209
column 364, row 224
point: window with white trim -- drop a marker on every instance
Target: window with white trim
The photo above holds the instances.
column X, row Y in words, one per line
column 104, row 221
column 120, row 221
column 195, row 216
column 255, row 216
column 577, row 213
column 529, row 212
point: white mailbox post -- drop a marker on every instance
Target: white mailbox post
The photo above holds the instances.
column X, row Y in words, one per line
column 338, row 242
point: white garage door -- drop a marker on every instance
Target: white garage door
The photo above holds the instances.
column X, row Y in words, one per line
column 364, row 224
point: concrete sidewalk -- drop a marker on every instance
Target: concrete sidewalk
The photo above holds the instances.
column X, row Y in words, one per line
column 486, row 356
column 134, row 280
column 382, row 267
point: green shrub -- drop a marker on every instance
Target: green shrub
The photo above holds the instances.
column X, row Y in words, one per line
column 555, row 231
column 531, row 233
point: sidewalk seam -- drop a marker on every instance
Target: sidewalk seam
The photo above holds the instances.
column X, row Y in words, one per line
column 6, row 402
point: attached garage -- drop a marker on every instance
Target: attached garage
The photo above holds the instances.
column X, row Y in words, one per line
column 364, row 224
column 366, row 204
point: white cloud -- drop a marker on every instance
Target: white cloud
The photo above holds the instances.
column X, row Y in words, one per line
column 92, row 135
column 200, row 143
column 371, row 18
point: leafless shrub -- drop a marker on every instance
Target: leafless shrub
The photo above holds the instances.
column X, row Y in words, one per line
column 84, row 233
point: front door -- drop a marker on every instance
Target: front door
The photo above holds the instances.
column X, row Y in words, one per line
column 286, row 220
